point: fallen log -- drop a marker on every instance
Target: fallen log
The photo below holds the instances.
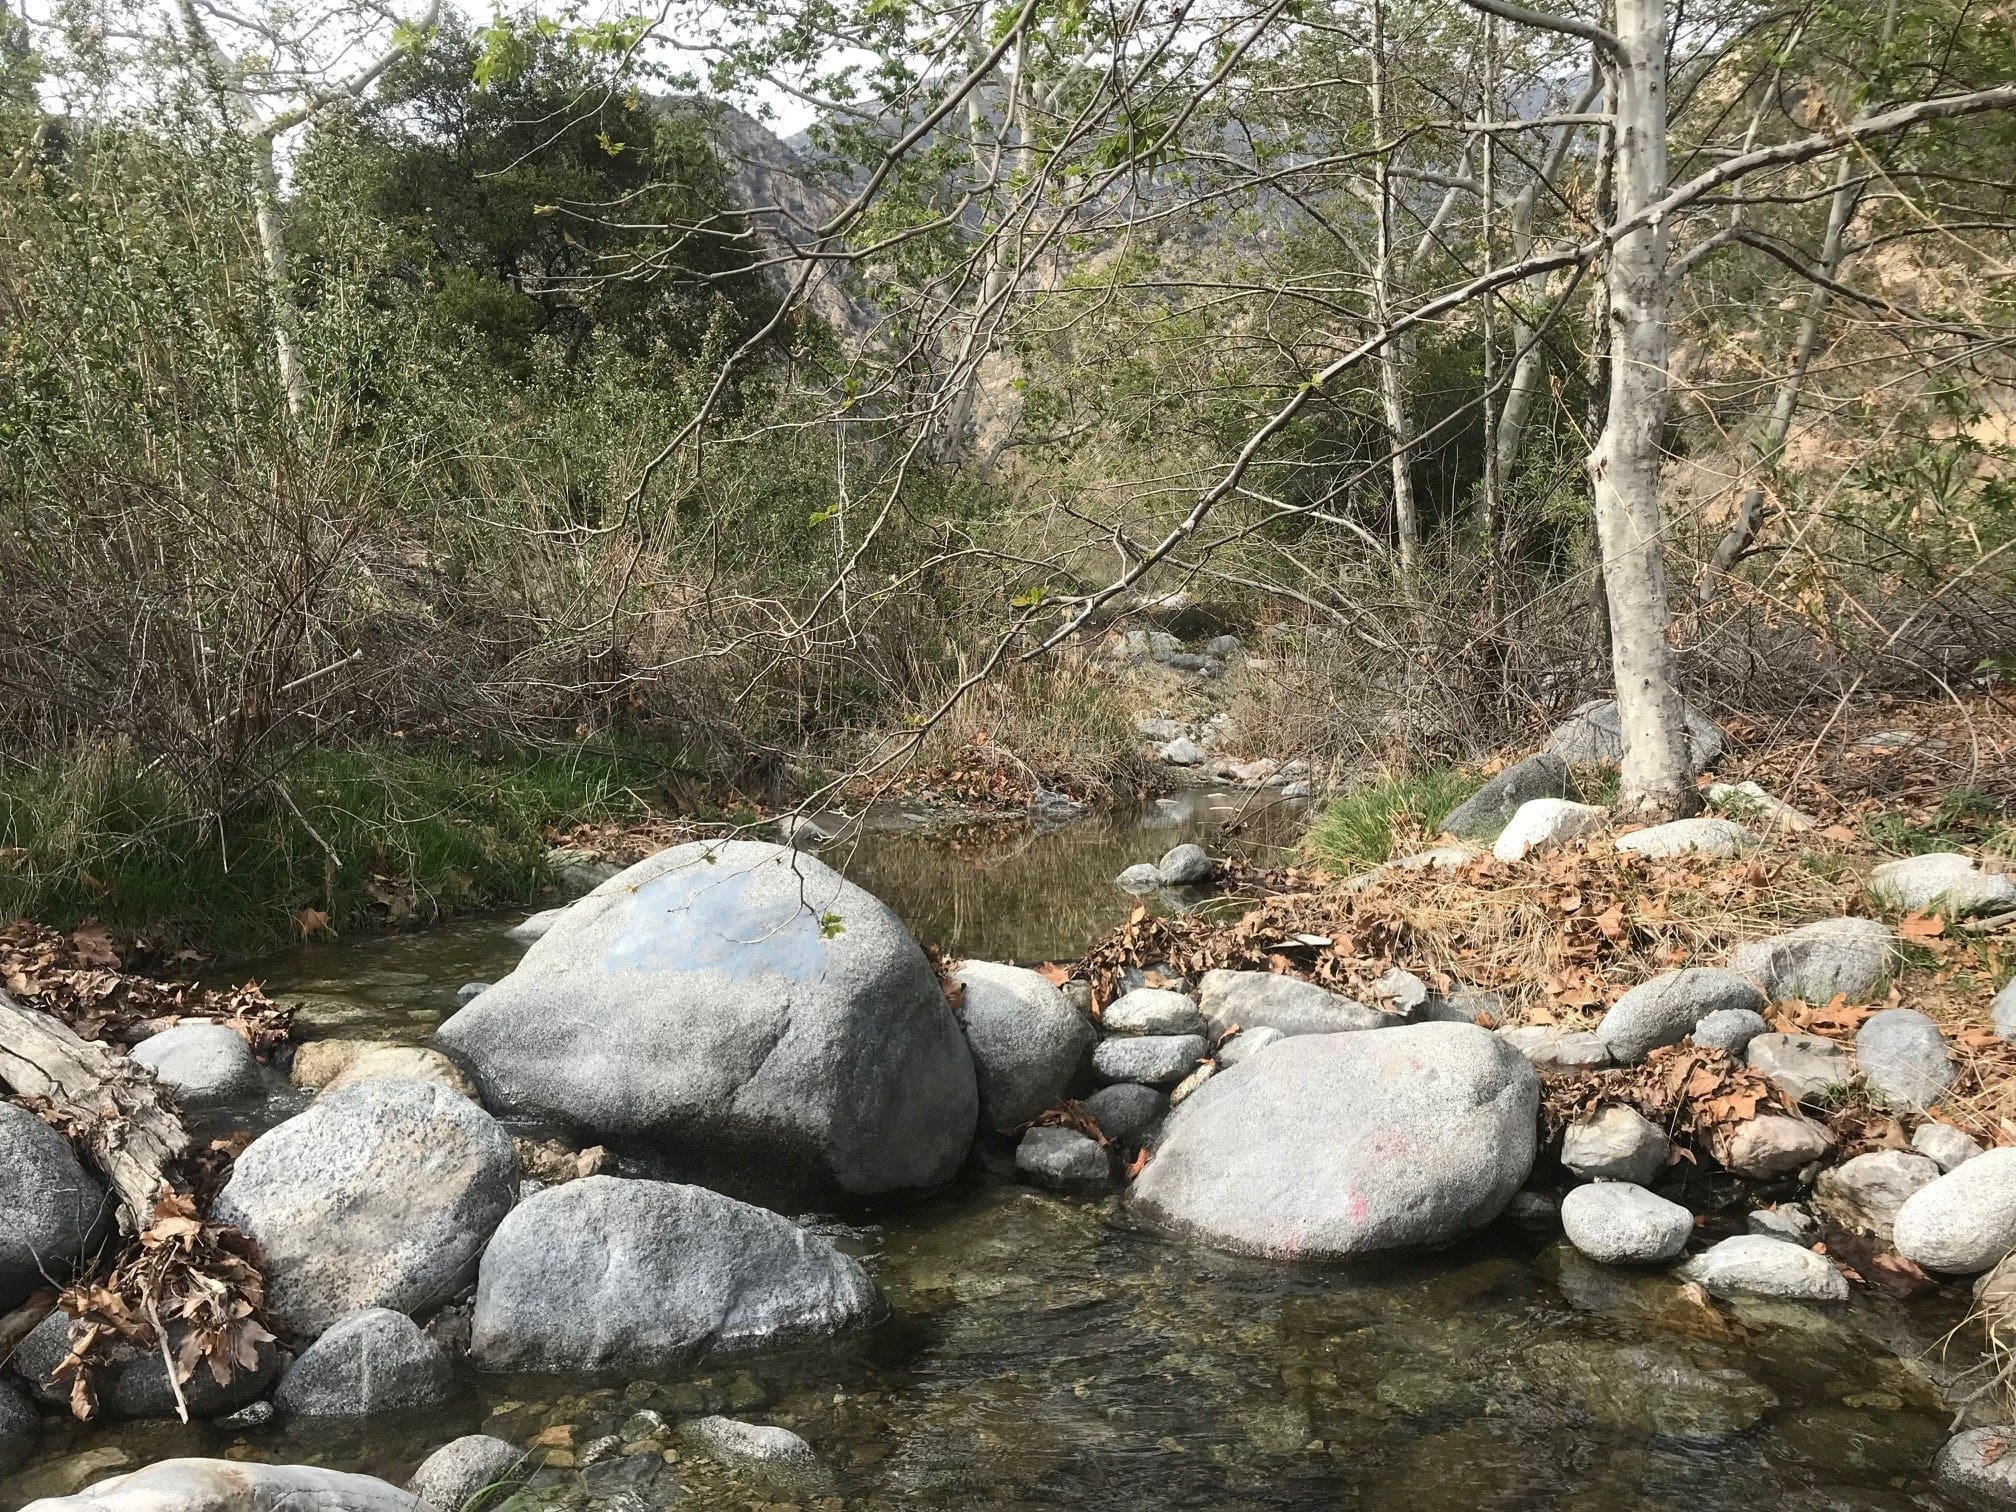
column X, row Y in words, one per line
column 110, row 1108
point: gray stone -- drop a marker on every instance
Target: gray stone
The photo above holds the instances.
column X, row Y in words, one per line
column 1804, row 1066
column 1787, row 1221
column 1665, row 1010
column 1902, row 1055
column 449, row 1477
column 1152, row 1010
column 2002, row 1012
column 373, row 1361
column 1977, row 1464
column 1182, row 752
column 20, row 1425
column 1944, row 1145
column 1331, row 1146
column 744, row 1015
column 216, row 1485
column 1730, row 1030
column 1159, row 1060
column 1140, row 879
column 1865, row 1193
column 1620, row 1223
column 1557, row 1048
column 133, row 1381
column 1225, row 647
column 1616, row 1144
column 1593, row 736
column 52, row 1211
column 1816, row 961
column 1703, row 835
column 381, row 1195
column 1531, row 1209
column 530, row 931
column 1404, row 993
column 1186, row 866
column 1943, row 882
column 606, row 1274
column 1774, row 1144
column 1246, row 1044
column 406, row 1062
column 1750, row 803
column 1964, row 1222
column 1487, row 811
column 1155, row 974
column 1030, row 1046
column 746, row 1445
column 1063, row 1160
column 1269, row 1000
column 466, row 994
column 1544, row 822
column 576, row 871
column 1127, row 1112
column 204, row 1065
column 1752, row 1265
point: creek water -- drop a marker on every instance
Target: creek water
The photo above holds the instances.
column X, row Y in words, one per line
column 1044, row 1353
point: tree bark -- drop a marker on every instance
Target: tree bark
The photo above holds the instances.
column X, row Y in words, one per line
column 1624, row 466
column 1392, row 392
column 112, row 1105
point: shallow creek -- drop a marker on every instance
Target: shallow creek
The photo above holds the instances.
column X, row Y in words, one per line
column 1042, row 1353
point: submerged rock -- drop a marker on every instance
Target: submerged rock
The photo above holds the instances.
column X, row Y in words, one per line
column 204, row 1065
column 132, row 1381
column 1545, row 822
column 373, row 1361
column 1902, row 1055
column 739, row 1444
column 1667, row 1009
column 1063, row 1160
column 1816, row 961
column 1270, row 1000
column 1965, row 1222
column 1620, row 1223
column 1642, row 1388
column 1491, row 807
column 216, row 1485
column 380, row 1195
column 1752, row 1265
column 52, row 1210
column 1333, row 1146
column 744, row 1014
column 1140, row 879
column 449, row 1477
column 1029, row 1045
column 606, row 1274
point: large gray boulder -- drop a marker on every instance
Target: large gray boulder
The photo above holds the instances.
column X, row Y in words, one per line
column 215, row 1485
column 746, row 1016
column 1268, row 1000
column 606, row 1274
column 380, row 1195
column 1665, row 1010
column 204, row 1065
column 373, row 1361
column 132, row 1381
column 1965, row 1222
column 1491, row 807
column 20, row 1424
column 1594, row 736
column 1619, row 1223
column 1902, row 1055
column 52, row 1211
column 1338, row 1145
column 1945, row 882
column 1816, row 961
column 1029, row 1044
column 460, row 1468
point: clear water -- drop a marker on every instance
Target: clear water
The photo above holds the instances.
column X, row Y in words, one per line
column 1043, row 1353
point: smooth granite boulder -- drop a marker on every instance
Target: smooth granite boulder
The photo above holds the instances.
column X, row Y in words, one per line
column 1619, row 1223
column 373, row 1361
column 608, row 1274
column 1029, row 1044
column 204, row 1065
column 1755, row 1265
column 460, row 1468
column 381, row 1195
column 52, row 1211
column 1594, row 736
column 1339, row 1145
column 744, row 1016
column 1903, row 1056
column 215, row 1485
column 1814, row 962
column 1665, row 1010
column 1488, row 810
column 133, row 1382
column 1269, row 1000
column 1965, row 1222
column 1543, row 823
column 1943, row 882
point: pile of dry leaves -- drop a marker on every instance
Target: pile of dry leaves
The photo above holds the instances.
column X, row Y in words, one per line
column 79, row 978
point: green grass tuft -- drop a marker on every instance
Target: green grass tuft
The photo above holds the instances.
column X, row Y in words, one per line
column 382, row 834
column 1361, row 828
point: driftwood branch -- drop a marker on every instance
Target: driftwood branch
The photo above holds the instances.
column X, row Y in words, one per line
column 113, row 1108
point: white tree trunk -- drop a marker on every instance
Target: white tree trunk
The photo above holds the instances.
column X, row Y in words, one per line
column 279, row 290
column 1624, row 467
column 1392, row 357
